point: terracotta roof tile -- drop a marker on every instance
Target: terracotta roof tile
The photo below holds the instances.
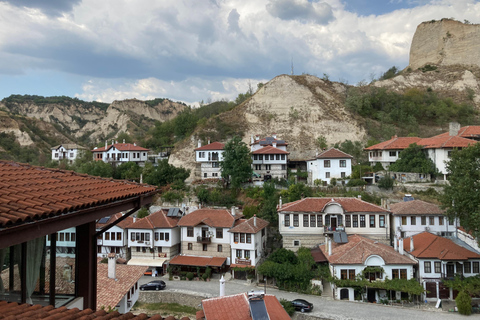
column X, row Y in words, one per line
column 333, row 153
column 123, row 224
column 415, row 207
column 211, row 146
column 358, row 249
column 250, row 226
column 428, row 245
column 184, row 260
column 319, row 204
column 270, row 150
column 445, row 142
column 121, row 147
column 396, row 143
column 216, row 218
column 30, row 193
column 154, row 220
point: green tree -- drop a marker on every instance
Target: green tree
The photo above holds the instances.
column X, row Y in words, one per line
column 386, row 182
column 97, row 168
column 353, row 148
column 461, row 196
column 128, row 170
column 413, row 159
column 296, row 192
column 268, row 209
column 321, row 142
column 142, row 213
column 464, row 303
column 165, row 173
column 236, row 163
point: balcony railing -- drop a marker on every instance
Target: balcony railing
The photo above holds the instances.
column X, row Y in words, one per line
column 204, row 239
column 246, row 262
column 333, row 229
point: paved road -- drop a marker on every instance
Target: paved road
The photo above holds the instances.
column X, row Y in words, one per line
column 323, row 308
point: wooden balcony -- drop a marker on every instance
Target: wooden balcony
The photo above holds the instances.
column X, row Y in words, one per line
column 243, row 261
column 204, row 240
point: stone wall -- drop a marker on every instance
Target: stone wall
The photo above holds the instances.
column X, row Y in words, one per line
column 306, row 240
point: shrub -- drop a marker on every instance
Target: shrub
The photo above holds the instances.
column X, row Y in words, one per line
column 464, row 303
column 104, row 260
column 356, row 183
column 204, row 276
column 288, row 306
column 189, row 275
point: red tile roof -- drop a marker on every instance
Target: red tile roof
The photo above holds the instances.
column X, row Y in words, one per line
column 215, row 218
column 469, row 132
column 237, row 307
column 415, row 207
column 277, row 141
column 197, row 261
column 319, row 205
column 29, row 193
column 250, row 226
column 333, row 153
column 270, row 150
column 318, row 255
column 428, row 245
column 111, row 291
column 154, row 220
column 212, row 146
column 123, row 224
column 358, row 249
column 121, row 147
column 396, row 143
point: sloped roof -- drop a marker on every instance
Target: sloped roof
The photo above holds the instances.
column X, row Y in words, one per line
column 395, row 143
column 197, row 261
column 270, row 150
column 428, row 245
column 121, row 147
column 29, row 193
column 269, row 141
column 111, row 291
column 154, row 220
column 319, row 204
column 318, row 255
column 469, row 132
column 69, row 146
column 237, row 307
column 359, row 248
column 211, row 146
column 215, row 218
column 123, row 224
column 250, row 226
column 445, row 142
column 333, row 153
column 416, row 207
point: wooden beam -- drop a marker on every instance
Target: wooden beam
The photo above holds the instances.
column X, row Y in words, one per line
column 86, row 265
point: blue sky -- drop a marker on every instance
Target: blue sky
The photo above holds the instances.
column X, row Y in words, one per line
column 207, row 50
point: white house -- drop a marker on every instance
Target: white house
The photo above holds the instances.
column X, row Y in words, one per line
column 208, row 158
column 67, row 151
column 248, row 240
column 269, row 157
column 388, row 152
column 440, row 258
column 65, row 244
column 120, row 153
column 155, row 239
column 416, row 216
column 115, row 238
column 331, row 163
column 371, row 259
column 306, row 222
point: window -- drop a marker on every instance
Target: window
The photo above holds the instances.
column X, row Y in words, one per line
column 372, row 221
column 312, row 221
column 190, row 246
column 467, row 267
column 399, row 273
column 147, row 236
column 249, row 238
column 450, row 222
column 132, row 236
column 162, row 236
column 296, row 243
column 287, row 220
column 215, row 165
column 413, row 221
column 107, row 236
column 167, row 236
column 219, row 248
column 393, row 153
column 440, row 221
column 404, row 221
column 139, row 249
column 263, row 232
column 437, row 266
column 260, row 157
column 189, row 231
column 242, row 237
column 235, row 237
column 327, row 175
column 268, row 167
column 346, row 274
column 67, row 236
column 205, row 175
column 119, row 236
column 283, row 157
column 159, row 249
column 355, row 221
column 319, row 221
column 362, row 221
column 427, row 267
column 205, row 246
column 475, row 267
column 238, row 253
column 277, row 157
column 348, row 221
column 156, row 236
column 255, row 157
column 284, row 167
column 73, row 237
column 56, row 155
column 343, row 163
column 381, row 221
column 431, row 221
column 305, row 220
column 295, row 220
column 246, row 254
column 326, row 163
column 424, row 220
column 219, row 233
column 258, row 167
column 342, row 174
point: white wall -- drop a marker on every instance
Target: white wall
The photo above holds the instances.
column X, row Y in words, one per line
column 410, row 229
column 318, row 169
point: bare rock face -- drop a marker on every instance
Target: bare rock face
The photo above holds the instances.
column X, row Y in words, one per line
column 445, row 42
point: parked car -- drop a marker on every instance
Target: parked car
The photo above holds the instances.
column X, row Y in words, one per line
column 153, row 285
column 302, row 305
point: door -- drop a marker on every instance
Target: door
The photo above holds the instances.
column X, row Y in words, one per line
column 333, row 223
column 204, row 232
column 450, row 270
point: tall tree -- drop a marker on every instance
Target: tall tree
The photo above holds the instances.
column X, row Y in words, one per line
column 413, row 159
column 461, row 196
column 237, row 162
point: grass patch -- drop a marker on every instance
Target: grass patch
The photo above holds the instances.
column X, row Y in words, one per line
column 169, row 308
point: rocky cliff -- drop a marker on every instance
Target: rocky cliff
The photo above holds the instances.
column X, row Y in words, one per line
column 445, row 42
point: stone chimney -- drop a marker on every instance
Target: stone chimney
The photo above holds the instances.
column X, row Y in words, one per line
column 251, row 139
column 222, row 286
column 106, row 145
column 274, row 144
column 208, row 142
column 112, row 271
column 199, row 144
column 257, row 137
column 254, row 220
column 411, row 244
column 400, row 246
column 274, row 135
column 453, row 128
column 326, row 245
column 113, row 141
column 123, row 140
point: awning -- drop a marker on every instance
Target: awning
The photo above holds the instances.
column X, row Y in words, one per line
column 198, row 261
column 147, row 262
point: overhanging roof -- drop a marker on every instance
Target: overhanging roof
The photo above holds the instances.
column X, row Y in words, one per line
column 198, row 261
column 147, row 262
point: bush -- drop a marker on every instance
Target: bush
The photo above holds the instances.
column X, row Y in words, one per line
column 204, row 276
column 189, row 275
column 356, row 183
column 386, row 182
column 464, row 303
column 288, row 306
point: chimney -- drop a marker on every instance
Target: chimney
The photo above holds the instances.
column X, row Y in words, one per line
column 251, row 139
column 395, row 243
column 257, row 137
column 199, row 144
column 329, row 247
column 141, row 177
column 280, row 202
column 411, row 244
column 208, row 141
column 254, row 220
column 400, row 246
column 106, row 145
column 134, row 219
column 274, row 135
column 274, row 144
column 233, row 210
column 222, row 286
column 135, row 144
column 326, row 244
column 359, row 196
column 112, row 266
column 123, row 140
column 453, row 128
column 113, row 141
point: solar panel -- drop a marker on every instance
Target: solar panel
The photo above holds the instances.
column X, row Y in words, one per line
column 340, row 237
column 258, row 309
column 104, row 219
column 174, row 212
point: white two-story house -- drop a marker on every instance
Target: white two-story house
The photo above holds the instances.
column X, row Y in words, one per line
column 331, row 163
column 208, row 158
column 416, row 216
column 155, row 239
column 65, row 244
column 308, row 221
column 120, row 153
column 269, row 157
column 115, row 238
column 388, row 152
column 440, row 258
column 67, row 151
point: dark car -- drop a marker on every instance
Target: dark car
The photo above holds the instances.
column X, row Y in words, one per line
column 302, row 305
column 153, row 285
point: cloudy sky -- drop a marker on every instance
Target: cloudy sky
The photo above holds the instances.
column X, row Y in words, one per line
column 194, row 50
